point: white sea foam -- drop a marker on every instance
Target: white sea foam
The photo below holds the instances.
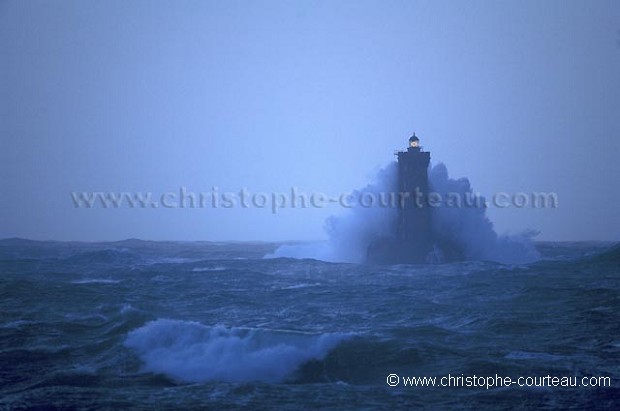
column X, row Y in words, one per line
column 95, row 281
column 527, row 355
column 208, row 269
column 300, row 285
column 193, row 352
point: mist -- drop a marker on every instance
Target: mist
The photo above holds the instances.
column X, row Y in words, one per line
column 152, row 96
column 461, row 229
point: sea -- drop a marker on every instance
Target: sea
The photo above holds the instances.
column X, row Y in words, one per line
column 218, row 326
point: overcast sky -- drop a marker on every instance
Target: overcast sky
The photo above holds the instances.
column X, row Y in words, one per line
column 517, row 96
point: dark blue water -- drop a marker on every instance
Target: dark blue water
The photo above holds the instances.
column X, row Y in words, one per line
column 153, row 325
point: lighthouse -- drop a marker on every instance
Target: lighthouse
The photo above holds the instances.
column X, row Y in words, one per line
column 411, row 240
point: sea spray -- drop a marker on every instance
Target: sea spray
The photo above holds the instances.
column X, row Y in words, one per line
column 464, row 232
column 350, row 234
column 460, row 231
column 193, row 352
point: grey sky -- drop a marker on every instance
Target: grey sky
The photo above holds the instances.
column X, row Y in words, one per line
column 154, row 95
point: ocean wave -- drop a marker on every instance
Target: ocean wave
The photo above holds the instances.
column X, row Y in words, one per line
column 105, row 256
column 609, row 255
column 17, row 324
column 170, row 260
column 95, row 281
column 300, row 285
column 526, row 355
column 193, row 352
column 208, row 269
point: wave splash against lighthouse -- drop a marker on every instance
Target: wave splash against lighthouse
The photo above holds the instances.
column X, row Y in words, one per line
column 414, row 231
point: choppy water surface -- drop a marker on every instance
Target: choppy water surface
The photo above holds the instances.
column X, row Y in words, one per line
column 153, row 325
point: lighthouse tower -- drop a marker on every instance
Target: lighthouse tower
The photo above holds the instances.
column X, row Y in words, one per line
column 412, row 240
column 414, row 218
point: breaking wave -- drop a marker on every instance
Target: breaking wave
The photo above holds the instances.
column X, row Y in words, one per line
column 460, row 233
column 193, row 352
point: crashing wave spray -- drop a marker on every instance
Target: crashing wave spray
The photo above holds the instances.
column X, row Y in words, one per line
column 350, row 235
column 406, row 229
column 464, row 232
column 193, row 352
